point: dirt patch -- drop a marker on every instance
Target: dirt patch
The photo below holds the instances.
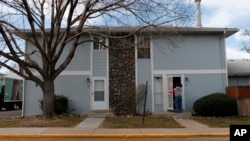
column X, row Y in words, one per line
column 136, row 122
column 38, row 121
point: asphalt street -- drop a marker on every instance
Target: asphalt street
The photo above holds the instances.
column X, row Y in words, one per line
column 154, row 139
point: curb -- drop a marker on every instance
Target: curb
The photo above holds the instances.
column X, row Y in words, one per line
column 179, row 135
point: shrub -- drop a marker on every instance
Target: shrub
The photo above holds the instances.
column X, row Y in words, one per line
column 61, row 104
column 217, row 104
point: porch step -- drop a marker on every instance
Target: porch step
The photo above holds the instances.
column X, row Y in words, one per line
column 173, row 114
column 99, row 114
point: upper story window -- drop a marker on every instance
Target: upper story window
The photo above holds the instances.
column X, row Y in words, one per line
column 100, row 43
column 143, row 47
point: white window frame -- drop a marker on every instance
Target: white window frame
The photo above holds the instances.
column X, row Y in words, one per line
column 143, row 43
column 99, row 43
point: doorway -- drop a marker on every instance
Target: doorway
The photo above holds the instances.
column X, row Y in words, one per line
column 99, row 94
column 171, row 84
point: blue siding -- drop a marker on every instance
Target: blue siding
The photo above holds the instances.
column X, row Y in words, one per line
column 81, row 60
column 35, row 56
column 199, row 85
column 144, row 74
column 190, row 52
column 100, row 62
column 158, row 94
column 77, row 90
column 74, row 87
column 32, row 95
column 193, row 52
column 238, row 81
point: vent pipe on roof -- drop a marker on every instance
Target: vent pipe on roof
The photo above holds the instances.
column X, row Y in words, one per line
column 198, row 13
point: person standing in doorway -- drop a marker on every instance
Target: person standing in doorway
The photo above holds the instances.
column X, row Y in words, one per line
column 178, row 97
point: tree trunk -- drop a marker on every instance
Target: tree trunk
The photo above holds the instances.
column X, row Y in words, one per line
column 48, row 99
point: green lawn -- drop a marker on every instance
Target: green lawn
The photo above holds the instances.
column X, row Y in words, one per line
column 136, row 122
column 223, row 121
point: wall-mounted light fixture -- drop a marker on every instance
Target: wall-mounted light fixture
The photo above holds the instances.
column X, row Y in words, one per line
column 186, row 79
column 88, row 81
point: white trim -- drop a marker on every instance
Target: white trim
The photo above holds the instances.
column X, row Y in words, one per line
column 165, row 98
column 12, row 76
column 105, row 96
column 23, row 102
column 165, row 82
column 225, row 58
column 68, row 73
column 198, row 71
column 183, row 92
column 75, row 73
column 91, row 75
column 107, row 83
column 152, row 75
column 248, row 80
column 136, row 67
column 172, row 93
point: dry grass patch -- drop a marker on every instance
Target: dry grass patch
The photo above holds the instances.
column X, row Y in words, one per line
column 63, row 121
column 223, row 121
column 136, row 122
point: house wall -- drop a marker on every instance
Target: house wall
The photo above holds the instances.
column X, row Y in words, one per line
column 74, row 87
column 238, row 81
column 32, row 95
column 122, row 93
column 82, row 55
column 100, row 71
column 199, row 85
column 144, row 74
column 77, row 90
column 72, row 82
column 189, row 52
column 100, row 63
column 199, row 59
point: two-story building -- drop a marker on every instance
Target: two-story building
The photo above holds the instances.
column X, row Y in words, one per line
column 100, row 76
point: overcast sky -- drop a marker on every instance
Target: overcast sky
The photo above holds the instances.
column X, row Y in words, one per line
column 228, row 13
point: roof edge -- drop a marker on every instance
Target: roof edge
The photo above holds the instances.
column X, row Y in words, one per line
column 153, row 29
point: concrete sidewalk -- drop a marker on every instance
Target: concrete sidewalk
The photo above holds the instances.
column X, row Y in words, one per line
column 89, row 129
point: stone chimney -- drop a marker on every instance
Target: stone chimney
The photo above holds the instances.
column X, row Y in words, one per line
column 198, row 13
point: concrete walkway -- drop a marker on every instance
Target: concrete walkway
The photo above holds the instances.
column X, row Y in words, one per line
column 90, row 123
column 95, row 122
column 188, row 123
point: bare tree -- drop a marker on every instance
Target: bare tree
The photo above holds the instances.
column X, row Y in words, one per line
column 51, row 25
column 246, row 46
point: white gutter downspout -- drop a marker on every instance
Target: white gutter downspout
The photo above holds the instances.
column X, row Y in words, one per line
column 224, row 46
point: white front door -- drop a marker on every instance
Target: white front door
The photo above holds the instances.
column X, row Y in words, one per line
column 170, row 93
column 99, row 94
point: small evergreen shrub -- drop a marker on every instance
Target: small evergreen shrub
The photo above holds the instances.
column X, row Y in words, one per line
column 61, row 104
column 217, row 104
